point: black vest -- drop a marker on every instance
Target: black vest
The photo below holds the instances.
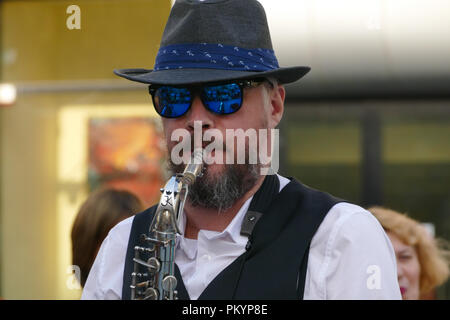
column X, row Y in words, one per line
column 275, row 261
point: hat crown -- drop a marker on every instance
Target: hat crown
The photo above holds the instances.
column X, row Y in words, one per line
column 241, row 23
column 212, row 41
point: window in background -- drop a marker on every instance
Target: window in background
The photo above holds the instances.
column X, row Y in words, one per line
column 392, row 153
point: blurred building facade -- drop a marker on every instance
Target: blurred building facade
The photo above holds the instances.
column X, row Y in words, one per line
column 371, row 122
column 66, row 93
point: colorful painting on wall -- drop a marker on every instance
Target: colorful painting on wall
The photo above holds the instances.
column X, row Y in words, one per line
column 127, row 153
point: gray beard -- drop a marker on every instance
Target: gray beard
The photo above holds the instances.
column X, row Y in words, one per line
column 222, row 191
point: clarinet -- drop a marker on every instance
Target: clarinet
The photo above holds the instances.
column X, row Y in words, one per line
column 158, row 281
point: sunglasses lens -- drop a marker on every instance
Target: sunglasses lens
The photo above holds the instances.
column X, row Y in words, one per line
column 172, row 102
column 222, row 99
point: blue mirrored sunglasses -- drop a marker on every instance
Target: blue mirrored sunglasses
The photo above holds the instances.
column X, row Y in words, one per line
column 220, row 98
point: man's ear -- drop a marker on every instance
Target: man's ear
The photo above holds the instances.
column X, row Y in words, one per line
column 277, row 96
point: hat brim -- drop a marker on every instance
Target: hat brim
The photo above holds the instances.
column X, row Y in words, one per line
column 193, row 76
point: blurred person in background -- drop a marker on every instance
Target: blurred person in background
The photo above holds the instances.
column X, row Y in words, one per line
column 102, row 210
column 422, row 260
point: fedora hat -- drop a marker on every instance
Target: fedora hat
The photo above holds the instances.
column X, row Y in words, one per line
column 214, row 40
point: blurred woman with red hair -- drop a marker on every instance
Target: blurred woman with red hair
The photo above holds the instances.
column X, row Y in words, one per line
column 422, row 260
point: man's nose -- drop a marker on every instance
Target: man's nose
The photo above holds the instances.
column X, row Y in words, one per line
column 198, row 112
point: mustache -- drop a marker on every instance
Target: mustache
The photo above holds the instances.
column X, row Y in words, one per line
column 237, row 148
column 189, row 144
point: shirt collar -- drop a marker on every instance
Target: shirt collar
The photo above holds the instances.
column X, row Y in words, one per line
column 231, row 233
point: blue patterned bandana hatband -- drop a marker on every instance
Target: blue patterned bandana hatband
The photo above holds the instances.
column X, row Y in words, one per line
column 214, row 56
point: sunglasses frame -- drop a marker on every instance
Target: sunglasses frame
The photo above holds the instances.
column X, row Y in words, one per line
column 197, row 88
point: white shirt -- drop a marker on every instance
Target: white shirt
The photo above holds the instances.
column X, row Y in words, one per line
column 350, row 257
